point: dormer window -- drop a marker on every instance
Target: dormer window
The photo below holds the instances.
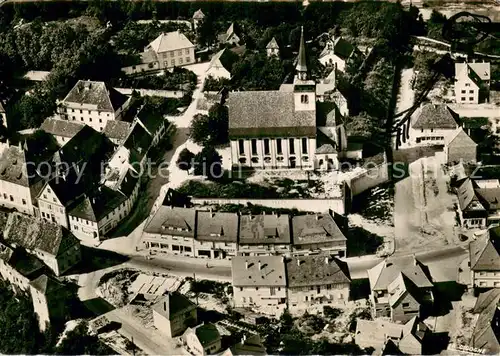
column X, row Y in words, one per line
column 271, row 232
column 304, row 99
column 217, row 232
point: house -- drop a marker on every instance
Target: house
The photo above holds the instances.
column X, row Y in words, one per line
column 198, row 18
column 53, row 244
column 409, row 338
column 272, row 48
column 459, row 147
column 135, row 148
column 18, row 267
column 172, row 49
column 249, row 345
column 216, row 234
column 315, row 280
column 259, row 282
column 93, row 103
column 231, row 36
column 338, row 53
column 171, row 230
column 117, row 131
column 484, row 256
column 20, row 183
column 433, row 124
column 278, row 129
column 478, row 201
column 487, row 329
column 203, row 339
column 3, row 115
column 472, row 82
column 146, row 62
column 314, row 233
column 153, row 123
column 221, row 64
column 400, row 289
column 49, row 297
column 328, row 91
column 62, row 130
column 265, row 234
column 173, row 314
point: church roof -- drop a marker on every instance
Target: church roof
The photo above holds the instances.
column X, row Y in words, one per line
column 272, row 44
column 301, row 62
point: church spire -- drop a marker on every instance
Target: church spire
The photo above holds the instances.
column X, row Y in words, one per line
column 301, row 66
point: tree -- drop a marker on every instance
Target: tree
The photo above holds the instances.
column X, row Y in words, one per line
column 363, row 125
column 79, row 342
column 208, row 163
column 211, row 129
column 185, row 159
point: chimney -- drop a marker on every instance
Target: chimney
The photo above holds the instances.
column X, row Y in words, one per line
column 243, row 339
column 298, row 262
column 327, row 260
column 260, row 265
column 246, row 265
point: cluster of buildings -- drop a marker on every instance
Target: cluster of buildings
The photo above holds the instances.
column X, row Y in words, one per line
column 91, row 182
column 176, row 316
column 210, row 234
column 32, row 253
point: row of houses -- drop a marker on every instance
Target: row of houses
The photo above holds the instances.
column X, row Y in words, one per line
column 91, row 182
column 32, row 251
column 210, row 234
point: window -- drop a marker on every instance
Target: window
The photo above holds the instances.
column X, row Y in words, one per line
column 272, row 290
column 173, row 62
column 24, row 202
column 467, row 84
column 254, row 146
column 241, row 146
column 304, row 99
column 304, row 145
column 75, row 227
column 256, row 288
column 180, row 52
column 186, row 51
column 90, row 119
column 292, row 146
column 54, row 200
column 180, row 61
column 100, row 120
column 11, row 198
column 242, row 160
column 463, row 99
column 187, row 60
column 463, row 91
column 172, row 54
column 471, row 98
column 471, row 91
column 278, row 146
column 406, row 305
column 266, row 146
column 165, row 55
column 44, row 196
column 421, row 130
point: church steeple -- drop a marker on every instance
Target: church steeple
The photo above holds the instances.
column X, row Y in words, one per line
column 301, row 66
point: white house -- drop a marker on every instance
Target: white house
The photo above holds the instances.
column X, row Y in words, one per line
column 472, row 82
column 230, row 36
column 337, row 53
column 93, row 103
column 203, row 339
column 173, row 314
column 272, row 48
column 259, row 282
column 220, row 65
column 484, row 254
column 433, row 124
column 172, row 49
column 198, row 18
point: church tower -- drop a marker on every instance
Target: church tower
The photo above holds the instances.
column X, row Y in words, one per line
column 304, row 89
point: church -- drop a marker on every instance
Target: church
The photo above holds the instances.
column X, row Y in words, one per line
column 286, row 128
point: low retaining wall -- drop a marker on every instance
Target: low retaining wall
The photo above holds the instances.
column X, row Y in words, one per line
column 368, row 179
column 314, row 205
column 152, row 92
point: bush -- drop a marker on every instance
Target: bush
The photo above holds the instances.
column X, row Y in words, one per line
column 208, row 163
column 212, row 129
column 185, row 159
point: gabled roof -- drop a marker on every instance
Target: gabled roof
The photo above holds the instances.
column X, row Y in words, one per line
column 486, row 331
column 117, row 130
column 138, row 143
column 264, row 229
column 467, row 198
column 13, row 167
column 230, row 31
column 315, row 270
column 215, row 226
column 273, row 44
column 152, row 121
column 340, row 47
column 27, row 265
column 173, row 221
column 205, row 333
column 67, row 188
column 46, row 285
column 328, row 115
column 98, row 94
column 198, row 15
column 485, row 251
column 388, row 270
column 314, row 228
column 325, row 144
column 435, row 116
column 251, row 345
column 258, row 271
column 173, row 304
column 476, row 71
column 96, row 205
column 460, row 139
column 35, row 234
column 224, row 58
column 62, row 128
column 170, row 41
column 268, row 113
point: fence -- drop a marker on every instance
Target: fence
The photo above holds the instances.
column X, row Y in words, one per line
column 152, row 92
column 314, row 205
